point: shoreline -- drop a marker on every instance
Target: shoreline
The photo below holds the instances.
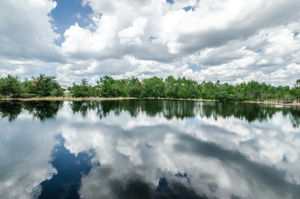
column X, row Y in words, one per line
column 270, row 102
column 100, row 99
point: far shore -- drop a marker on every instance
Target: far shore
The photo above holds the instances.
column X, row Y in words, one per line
column 68, row 98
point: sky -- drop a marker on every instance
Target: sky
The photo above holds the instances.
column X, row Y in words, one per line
column 206, row 40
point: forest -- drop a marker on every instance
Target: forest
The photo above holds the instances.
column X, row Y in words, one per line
column 155, row 87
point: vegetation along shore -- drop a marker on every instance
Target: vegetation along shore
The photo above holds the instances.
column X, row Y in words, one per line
column 47, row 88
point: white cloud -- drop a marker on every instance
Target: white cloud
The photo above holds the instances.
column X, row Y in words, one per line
column 228, row 40
column 130, row 36
column 26, row 31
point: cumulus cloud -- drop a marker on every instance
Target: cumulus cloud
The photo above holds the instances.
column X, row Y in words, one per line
column 26, row 31
column 230, row 40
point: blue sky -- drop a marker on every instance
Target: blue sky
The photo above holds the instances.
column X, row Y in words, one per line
column 170, row 1
column 69, row 12
column 233, row 41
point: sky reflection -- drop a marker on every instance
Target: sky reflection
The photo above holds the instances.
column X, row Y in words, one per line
column 128, row 150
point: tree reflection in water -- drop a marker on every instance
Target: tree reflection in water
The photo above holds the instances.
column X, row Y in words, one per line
column 150, row 149
column 167, row 108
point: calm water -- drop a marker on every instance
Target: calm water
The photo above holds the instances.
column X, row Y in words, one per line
column 148, row 149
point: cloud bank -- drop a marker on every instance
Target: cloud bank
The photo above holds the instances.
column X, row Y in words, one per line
column 229, row 40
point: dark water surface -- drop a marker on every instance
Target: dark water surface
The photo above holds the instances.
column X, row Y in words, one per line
column 149, row 149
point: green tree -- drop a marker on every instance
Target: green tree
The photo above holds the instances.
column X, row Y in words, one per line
column 134, row 87
column 153, row 87
column 296, row 90
column 171, row 87
column 298, row 82
column 84, row 89
column 43, row 86
column 109, row 87
column 10, row 86
column 187, row 88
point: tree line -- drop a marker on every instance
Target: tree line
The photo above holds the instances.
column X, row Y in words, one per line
column 41, row 86
column 184, row 88
column 155, row 87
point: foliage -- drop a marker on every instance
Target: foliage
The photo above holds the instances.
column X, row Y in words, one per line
column 108, row 87
column 185, row 88
column 10, row 86
column 155, row 87
column 82, row 90
column 41, row 86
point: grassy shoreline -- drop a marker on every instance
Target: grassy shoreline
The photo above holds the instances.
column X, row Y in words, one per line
column 68, row 98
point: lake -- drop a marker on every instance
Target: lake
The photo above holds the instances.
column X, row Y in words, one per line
column 139, row 149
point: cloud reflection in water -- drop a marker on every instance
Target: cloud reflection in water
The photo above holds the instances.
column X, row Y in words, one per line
column 164, row 149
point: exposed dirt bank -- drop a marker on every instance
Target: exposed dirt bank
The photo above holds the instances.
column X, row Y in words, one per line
column 274, row 102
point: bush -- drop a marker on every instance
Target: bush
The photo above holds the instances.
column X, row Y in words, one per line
column 10, row 86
